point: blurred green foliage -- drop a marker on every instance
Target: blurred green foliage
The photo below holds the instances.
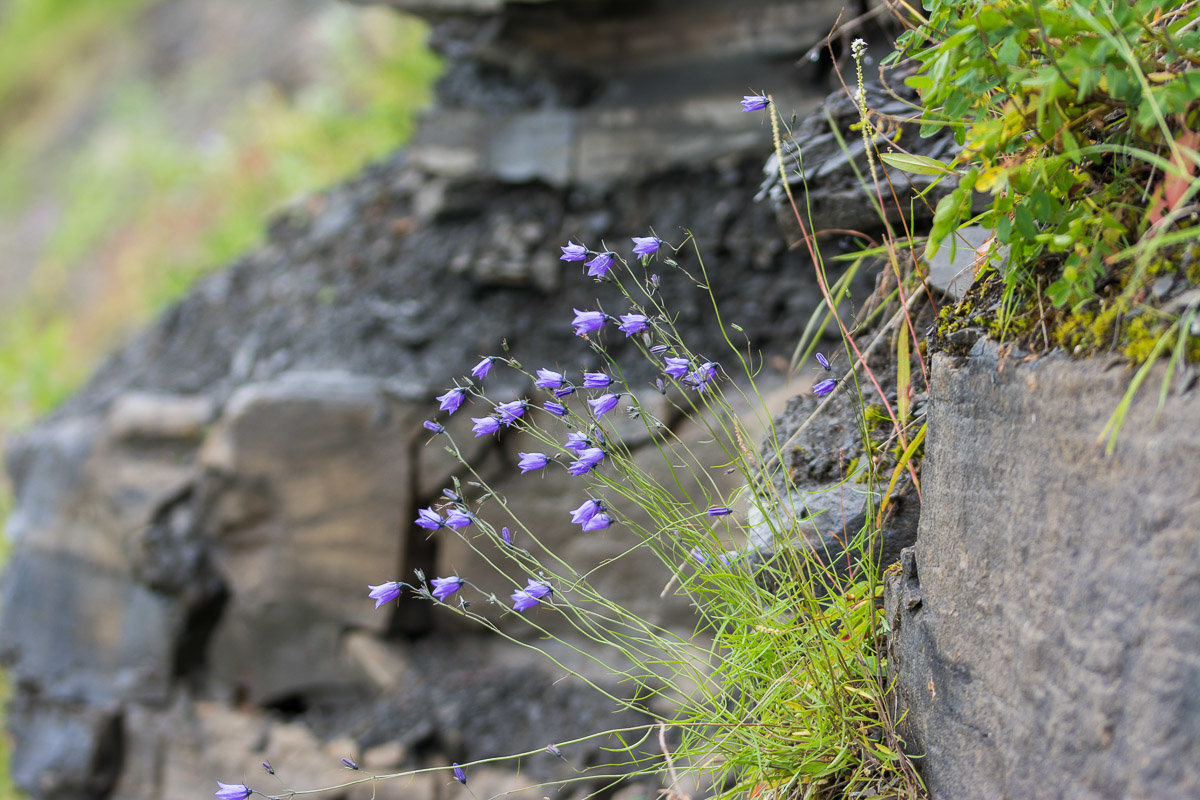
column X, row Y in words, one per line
column 142, row 208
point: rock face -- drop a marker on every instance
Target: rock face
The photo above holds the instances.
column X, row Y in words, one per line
column 195, row 530
column 1046, row 642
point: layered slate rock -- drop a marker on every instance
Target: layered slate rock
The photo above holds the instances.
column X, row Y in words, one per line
column 1046, row 641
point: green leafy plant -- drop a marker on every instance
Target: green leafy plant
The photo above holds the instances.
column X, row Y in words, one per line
column 1079, row 119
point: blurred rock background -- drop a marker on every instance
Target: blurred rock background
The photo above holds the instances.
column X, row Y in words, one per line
column 142, row 144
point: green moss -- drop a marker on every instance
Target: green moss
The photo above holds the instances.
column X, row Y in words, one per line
column 1140, row 335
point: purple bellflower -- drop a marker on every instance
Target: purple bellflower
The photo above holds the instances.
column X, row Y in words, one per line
column 573, row 252
column 508, row 412
column 548, row 379
column 824, row 387
column 532, row 461
column 484, row 425
column 481, row 369
column 232, row 791
column 658, row 349
column 349, row 763
column 588, row 459
column 267, row 768
column 557, row 409
column 754, row 102
column 677, row 367
column 577, row 442
column 534, row 591
column 459, row 775
column 597, row 522
column 604, row 404
column 588, row 321
column 633, row 323
column 718, row 511
column 702, row 375
column 429, row 519
column 646, row 246
column 598, row 267
column 824, row 362
column 596, row 380
column 430, row 425
column 451, row 400
column 506, row 536
column 586, row 511
column 444, row 587
column 458, row 518
column 564, row 391
column 385, row 592
column 523, row 600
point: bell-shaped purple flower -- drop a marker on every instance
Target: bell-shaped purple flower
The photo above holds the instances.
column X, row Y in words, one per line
column 506, row 536
column 444, row 587
column 480, row 370
column 534, row 591
column 702, row 375
column 349, row 763
column 604, row 404
column 596, row 380
column 597, row 522
column 754, row 102
column 646, row 246
column 484, row 425
column 599, row 266
column 508, row 412
column 677, row 367
column 459, row 775
column 633, row 323
column 588, row 321
column 429, row 519
column 577, row 442
column 548, row 379
column 532, row 461
column 430, row 425
column 823, row 361
column 588, row 509
column 573, row 252
column 564, row 391
column 385, row 592
column 232, row 791
column 588, row 459
column 557, row 409
column 451, row 400
column 538, row 589
column 459, row 518
column 523, row 600
column 718, row 511
column 659, row 349
column 824, row 387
